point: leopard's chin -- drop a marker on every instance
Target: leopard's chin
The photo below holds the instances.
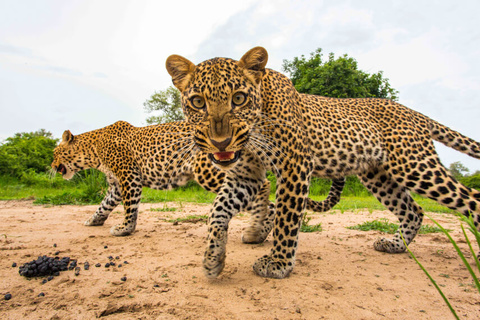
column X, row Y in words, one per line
column 224, row 159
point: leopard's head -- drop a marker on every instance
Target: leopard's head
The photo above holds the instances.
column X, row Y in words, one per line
column 69, row 156
column 221, row 97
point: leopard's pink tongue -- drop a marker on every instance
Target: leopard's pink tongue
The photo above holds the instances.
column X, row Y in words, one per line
column 224, row 156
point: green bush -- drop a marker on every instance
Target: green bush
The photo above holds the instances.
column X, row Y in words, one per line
column 91, row 188
column 27, row 151
column 31, row 178
column 472, row 181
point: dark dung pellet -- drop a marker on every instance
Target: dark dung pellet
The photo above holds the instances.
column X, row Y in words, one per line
column 98, row 265
column 124, row 279
column 14, row 265
column 8, row 296
column 41, row 294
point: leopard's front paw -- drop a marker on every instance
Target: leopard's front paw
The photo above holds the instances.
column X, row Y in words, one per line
column 95, row 221
column 121, row 230
column 389, row 246
column 214, row 260
column 267, row 267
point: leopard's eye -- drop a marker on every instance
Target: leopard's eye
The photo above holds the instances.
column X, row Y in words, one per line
column 239, row 98
column 198, row 102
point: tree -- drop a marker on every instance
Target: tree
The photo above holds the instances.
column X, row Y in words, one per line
column 338, row 78
column 27, row 151
column 458, row 170
column 168, row 103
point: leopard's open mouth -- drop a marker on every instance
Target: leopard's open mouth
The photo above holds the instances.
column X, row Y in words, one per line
column 224, row 158
column 62, row 169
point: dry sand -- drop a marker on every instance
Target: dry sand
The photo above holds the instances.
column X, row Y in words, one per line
column 338, row 274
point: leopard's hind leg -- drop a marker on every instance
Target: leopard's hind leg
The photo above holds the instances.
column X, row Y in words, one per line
column 131, row 186
column 432, row 180
column 398, row 200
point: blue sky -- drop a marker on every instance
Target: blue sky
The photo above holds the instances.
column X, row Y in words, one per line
column 81, row 65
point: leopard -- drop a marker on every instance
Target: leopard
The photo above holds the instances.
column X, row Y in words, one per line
column 240, row 107
column 159, row 157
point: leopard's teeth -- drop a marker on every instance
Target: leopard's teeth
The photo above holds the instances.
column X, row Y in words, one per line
column 224, row 156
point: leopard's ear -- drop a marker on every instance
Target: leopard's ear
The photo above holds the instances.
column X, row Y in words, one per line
column 67, row 137
column 254, row 62
column 181, row 70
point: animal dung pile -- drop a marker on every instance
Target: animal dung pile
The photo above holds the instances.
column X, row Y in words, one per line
column 46, row 266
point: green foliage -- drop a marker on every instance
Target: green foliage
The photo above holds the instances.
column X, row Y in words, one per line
column 191, row 192
column 338, row 78
column 27, row 151
column 381, row 225
column 472, row 181
column 384, row 226
column 91, row 187
column 190, row 218
column 458, row 170
column 167, row 103
column 306, row 227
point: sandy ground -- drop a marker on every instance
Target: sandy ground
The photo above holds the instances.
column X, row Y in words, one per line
column 338, row 275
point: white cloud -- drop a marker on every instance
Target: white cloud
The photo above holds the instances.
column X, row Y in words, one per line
column 88, row 63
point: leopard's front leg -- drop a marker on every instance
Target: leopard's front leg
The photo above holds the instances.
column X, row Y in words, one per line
column 239, row 189
column 291, row 195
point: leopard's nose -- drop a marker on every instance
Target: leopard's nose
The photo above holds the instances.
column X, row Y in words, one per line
column 222, row 145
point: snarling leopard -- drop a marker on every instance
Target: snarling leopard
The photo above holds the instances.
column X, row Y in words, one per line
column 241, row 109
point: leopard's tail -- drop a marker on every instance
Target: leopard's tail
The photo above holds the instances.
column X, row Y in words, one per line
column 332, row 199
column 454, row 139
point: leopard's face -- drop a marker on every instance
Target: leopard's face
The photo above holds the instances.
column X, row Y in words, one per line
column 221, row 98
column 67, row 158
